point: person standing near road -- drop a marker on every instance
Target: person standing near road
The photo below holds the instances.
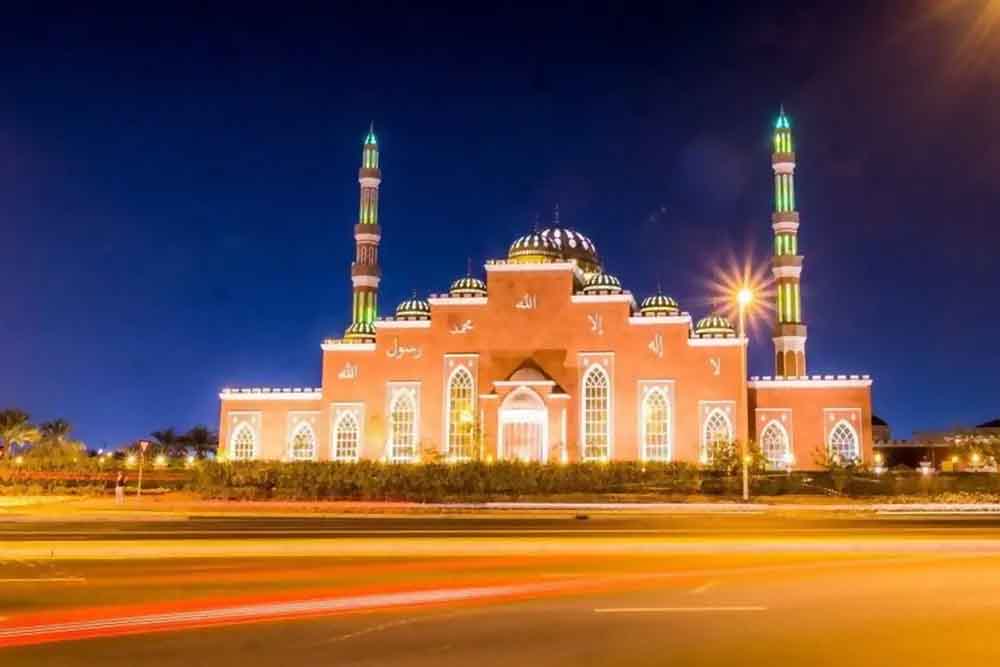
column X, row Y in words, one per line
column 120, row 489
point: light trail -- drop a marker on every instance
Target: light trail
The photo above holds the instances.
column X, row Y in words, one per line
column 142, row 623
column 672, row 610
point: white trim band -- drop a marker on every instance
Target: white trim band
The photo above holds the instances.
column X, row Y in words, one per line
column 717, row 342
column 457, row 301
column 269, row 394
column 786, row 271
column 365, row 281
column 340, row 346
column 546, row 266
column 683, row 318
column 625, row 297
column 402, row 324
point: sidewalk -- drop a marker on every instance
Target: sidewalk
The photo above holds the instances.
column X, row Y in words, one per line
column 180, row 506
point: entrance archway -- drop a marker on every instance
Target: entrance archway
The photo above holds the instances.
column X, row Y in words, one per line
column 524, row 427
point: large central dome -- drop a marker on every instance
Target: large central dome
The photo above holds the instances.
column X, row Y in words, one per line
column 556, row 244
column 574, row 245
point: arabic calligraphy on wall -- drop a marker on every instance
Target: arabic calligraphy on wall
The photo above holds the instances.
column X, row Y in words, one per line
column 527, row 302
column 461, row 328
column 398, row 351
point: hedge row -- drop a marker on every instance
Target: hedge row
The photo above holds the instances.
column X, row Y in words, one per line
column 427, row 482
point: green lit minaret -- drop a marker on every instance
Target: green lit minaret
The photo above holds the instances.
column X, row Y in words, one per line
column 365, row 270
column 786, row 264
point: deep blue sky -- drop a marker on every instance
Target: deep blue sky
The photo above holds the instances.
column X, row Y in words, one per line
column 177, row 192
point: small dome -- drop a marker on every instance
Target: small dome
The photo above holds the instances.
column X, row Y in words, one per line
column 714, row 326
column 658, row 305
column 467, row 286
column 360, row 331
column 413, row 309
column 574, row 245
column 533, row 249
column 602, row 283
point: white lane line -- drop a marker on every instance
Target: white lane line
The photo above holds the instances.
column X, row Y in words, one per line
column 40, row 580
column 642, row 610
column 704, row 587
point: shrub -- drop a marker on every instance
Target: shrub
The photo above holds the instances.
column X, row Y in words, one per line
column 430, row 482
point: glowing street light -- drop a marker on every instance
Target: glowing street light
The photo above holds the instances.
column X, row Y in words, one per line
column 744, row 299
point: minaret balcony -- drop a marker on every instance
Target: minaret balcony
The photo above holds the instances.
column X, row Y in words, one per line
column 371, row 270
column 786, row 260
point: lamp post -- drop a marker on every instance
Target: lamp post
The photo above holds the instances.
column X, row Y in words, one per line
column 744, row 297
column 143, row 444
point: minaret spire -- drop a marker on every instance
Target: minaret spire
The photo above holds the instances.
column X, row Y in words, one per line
column 786, row 264
column 365, row 270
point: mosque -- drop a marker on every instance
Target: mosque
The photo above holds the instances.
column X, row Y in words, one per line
column 547, row 358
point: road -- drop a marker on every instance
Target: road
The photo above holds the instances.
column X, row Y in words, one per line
column 546, row 589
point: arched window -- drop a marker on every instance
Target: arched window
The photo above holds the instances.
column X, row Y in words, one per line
column 774, row 445
column 717, row 430
column 303, row 443
column 461, row 415
column 844, row 442
column 242, row 444
column 402, row 428
column 346, row 436
column 655, row 426
column 596, row 414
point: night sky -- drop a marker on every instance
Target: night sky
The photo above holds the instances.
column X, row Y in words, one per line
column 177, row 193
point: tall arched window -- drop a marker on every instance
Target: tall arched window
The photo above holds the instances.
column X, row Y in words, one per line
column 461, row 415
column 844, row 442
column 774, row 445
column 596, row 414
column 346, row 436
column 655, row 426
column 303, row 443
column 717, row 430
column 402, row 428
column 243, row 443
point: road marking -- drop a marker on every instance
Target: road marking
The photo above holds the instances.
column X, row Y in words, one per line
column 43, row 580
column 642, row 610
column 704, row 587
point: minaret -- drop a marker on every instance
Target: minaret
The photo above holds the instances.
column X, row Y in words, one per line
column 365, row 270
column 786, row 264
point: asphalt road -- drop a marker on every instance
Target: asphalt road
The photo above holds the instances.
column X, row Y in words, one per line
column 549, row 590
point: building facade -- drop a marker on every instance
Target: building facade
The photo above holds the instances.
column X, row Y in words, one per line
column 549, row 359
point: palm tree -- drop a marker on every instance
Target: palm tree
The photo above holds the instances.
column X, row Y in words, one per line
column 202, row 440
column 167, row 442
column 57, row 429
column 15, row 429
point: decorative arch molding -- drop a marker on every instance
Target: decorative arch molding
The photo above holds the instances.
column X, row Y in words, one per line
column 346, row 431
column 716, row 425
column 460, row 406
column 776, row 444
column 523, row 426
column 403, row 422
column 656, row 420
column 243, row 443
column 844, row 442
column 597, row 406
column 302, row 441
column 245, row 425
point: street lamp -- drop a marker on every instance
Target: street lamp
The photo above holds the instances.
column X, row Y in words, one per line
column 143, row 445
column 744, row 298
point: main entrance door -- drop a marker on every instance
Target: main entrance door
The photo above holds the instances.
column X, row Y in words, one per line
column 524, row 427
